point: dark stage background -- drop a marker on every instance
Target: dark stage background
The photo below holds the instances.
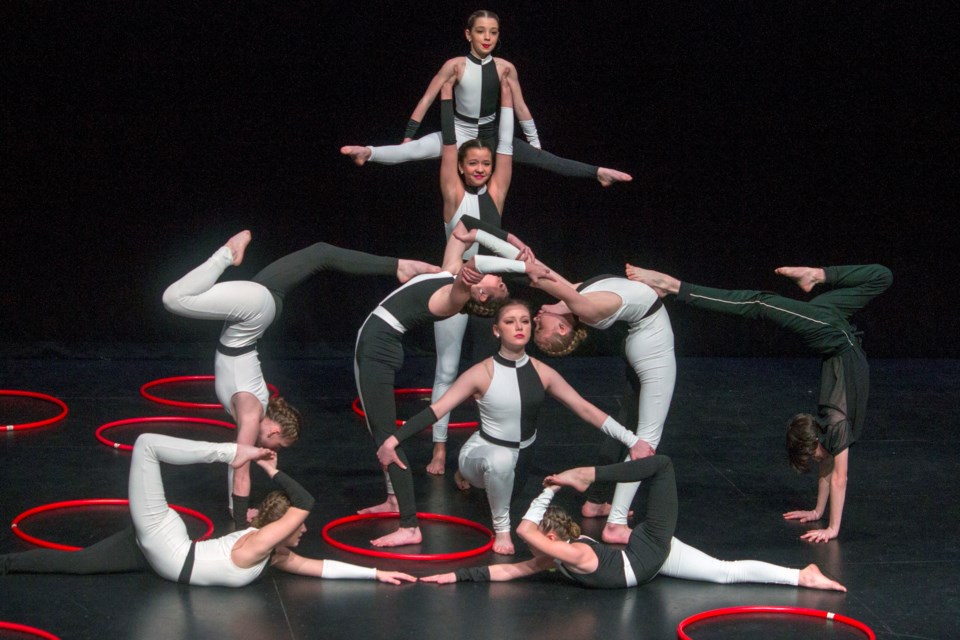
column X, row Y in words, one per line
column 136, row 139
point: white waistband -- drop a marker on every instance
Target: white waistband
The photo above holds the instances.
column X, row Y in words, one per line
column 390, row 319
column 628, row 573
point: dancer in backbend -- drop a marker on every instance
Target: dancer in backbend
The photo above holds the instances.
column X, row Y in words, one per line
column 247, row 310
column 478, row 77
column 158, row 539
column 601, row 302
column 379, row 355
column 823, row 324
column 555, row 540
column 509, row 388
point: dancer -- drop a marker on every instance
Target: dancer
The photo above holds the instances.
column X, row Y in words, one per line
column 478, row 77
column 158, row 539
column 379, row 355
column 601, row 302
column 509, row 388
column 823, row 324
column 555, row 540
column 247, row 309
column 471, row 188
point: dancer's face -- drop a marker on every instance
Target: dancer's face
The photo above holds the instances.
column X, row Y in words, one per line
column 548, row 324
column 293, row 540
column 477, row 167
column 491, row 287
column 514, row 327
column 483, row 36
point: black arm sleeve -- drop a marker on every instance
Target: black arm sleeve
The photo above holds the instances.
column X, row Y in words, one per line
column 417, row 423
column 448, row 130
column 473, row 574
column 472, row 223
column 412, row 127
column 299, row 497
column 240, row 506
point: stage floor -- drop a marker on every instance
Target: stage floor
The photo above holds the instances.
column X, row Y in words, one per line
column 897, row 552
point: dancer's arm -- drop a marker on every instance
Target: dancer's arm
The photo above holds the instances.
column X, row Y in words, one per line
column 578, row 303
column 451, row 187
column 288, row 561
column 832, row 484
column 446, row 73
column 577, row 556
column 560, row 389
column 474, row 380
column 247, row 411
column 520, row 106
column 494, row 572
column 503, row 169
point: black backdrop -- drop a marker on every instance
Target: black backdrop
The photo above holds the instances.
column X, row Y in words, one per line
column 137, row 139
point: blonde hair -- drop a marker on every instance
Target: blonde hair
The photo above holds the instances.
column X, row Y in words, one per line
column 559, row 345
column 286, row 416
column 487, row 309
column 271, row 509
column 558, row 521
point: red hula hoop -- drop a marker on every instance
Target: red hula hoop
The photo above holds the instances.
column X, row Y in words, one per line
column 358, row 409
column 376, row 553
column 22, row 628
column 814, row 613
column 127, row 447
column 144, row 391
column 39, row 396
column 92, row 502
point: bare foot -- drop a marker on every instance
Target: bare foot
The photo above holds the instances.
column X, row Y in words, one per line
column 462, row 483
column 503, row 543
column 399, row 538
column 238, row 244
column 659, row 282
column 407, row 269
column 595, row 510
column 388, row 506
column 615, row 533
column 579, row 478
column 607, row 177
column 248, row 453
column 811, row 577
column 360, row 155
column 805, row 277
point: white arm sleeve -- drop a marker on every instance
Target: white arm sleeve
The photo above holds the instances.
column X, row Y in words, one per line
column 539, row 506
column 530, row 132
column 497, row 245
column 334, row 570
column 493, row 264
column 619, row 432
column 505, row 132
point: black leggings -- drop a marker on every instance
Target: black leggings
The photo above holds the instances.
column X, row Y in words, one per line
column 649, row 542
column 117, row 554
column 283, row 275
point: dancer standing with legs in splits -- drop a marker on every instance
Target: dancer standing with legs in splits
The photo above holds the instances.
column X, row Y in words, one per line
column 247, row 308
column 478, row 77
column 158, row 539
column 823, row 324
column 509, row 388
column 651, row 550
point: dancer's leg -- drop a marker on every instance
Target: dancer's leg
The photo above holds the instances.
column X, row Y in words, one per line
column 429, row 146
column 689, row 563
column 117, row 554
column 448, row 336
column 523, row 153
column 492, row 467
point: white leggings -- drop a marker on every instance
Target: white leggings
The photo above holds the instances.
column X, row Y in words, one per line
column 649, row 350
column 492, row 467
column 688, row 563
column 448, row 336
column 161, row 533
column 247, row 309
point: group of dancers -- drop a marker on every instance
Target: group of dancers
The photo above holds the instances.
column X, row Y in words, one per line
column 480, row 97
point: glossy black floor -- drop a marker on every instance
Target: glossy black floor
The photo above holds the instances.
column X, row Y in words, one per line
column 897, row 553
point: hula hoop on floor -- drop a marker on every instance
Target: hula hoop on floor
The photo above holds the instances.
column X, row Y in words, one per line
column 145, row 392
column 814, row 613
column 22, row 628
column 39, row 396
column 127, row 447
column 92, row 502
column 358, row 408
column 376, row 553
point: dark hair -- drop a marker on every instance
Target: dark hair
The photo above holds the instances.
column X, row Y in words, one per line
column 558, row 521
column 487, row 309
column 271, row 509
column 286, row 416
column 512, row 302
column 473, row 144
column 481, row 13
column 803, row 436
